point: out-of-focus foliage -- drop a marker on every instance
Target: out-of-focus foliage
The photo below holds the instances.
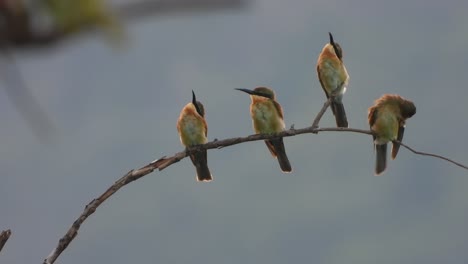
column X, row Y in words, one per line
column 68, row 17
column 71, row 16
column 18, row 29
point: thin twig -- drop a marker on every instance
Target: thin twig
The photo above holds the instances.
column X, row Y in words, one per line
column 165, row 162
column 431, row 155
column 4, row 236
column 322, row 111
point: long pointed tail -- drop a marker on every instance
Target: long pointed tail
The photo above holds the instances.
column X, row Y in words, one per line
column 200, row 161
column 380, row 159
column 276, row 147
column 340, row 114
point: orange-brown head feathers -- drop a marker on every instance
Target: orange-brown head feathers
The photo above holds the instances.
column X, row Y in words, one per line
column 406, row 107
column 332, row 48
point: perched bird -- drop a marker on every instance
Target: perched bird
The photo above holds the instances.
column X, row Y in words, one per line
column 193, row 130
column 333, row 78
column 267, row 118
column 387, row 118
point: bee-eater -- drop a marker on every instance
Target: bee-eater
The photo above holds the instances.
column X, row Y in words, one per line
column 387, row 118
column 267, row 118
column 193, row 130
column 333, row 78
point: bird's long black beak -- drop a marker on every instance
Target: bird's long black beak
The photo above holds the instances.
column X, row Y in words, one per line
column 194, row 102
column 331, row 39
column 194, row 99
column 246, row 91
column 254, row 92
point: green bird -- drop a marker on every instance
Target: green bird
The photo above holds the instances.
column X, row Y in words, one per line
column 387, row 119
column 267, row 118
column 193, row 130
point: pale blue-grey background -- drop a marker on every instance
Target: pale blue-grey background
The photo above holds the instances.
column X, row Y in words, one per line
column 117, row 110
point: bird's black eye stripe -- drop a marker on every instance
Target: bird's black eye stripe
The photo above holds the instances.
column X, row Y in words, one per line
column 264, row 95
column 199, row 111
column 337, row 49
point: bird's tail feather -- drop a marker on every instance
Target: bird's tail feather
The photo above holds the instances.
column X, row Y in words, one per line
column 340, row 114
column 200, row 161
column 380, row 159
column 276, row 147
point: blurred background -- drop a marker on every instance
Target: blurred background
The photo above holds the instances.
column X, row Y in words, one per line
column 113, row 106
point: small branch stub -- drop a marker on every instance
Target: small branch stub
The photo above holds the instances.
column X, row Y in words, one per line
column 4, row 236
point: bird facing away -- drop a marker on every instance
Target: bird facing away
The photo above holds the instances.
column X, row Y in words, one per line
column 267, row 118
column 387, row 118
column 333, row 78
column 193, row 130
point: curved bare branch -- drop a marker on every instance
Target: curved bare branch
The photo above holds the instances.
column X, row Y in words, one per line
column 165, row 162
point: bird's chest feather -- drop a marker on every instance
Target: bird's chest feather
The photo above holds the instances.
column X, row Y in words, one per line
column 192, row 131
column 333, row 75
column 266, row 119
column 386, row 127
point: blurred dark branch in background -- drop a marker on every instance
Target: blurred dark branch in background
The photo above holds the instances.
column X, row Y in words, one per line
column 17, row 32
column 4, row 236
column 23, row 99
